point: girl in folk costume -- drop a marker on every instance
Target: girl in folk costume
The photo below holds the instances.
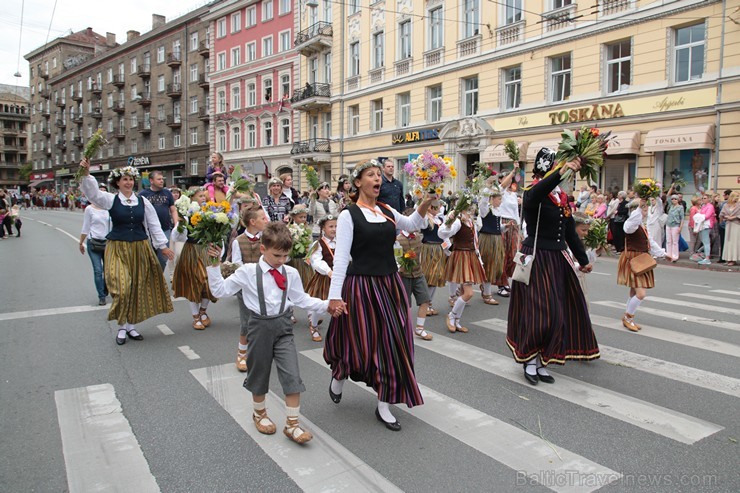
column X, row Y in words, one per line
column 320, row 206
column 301, row 232
column 246, row 250
column 464, row 266
column 548, row 319
column 432, row 256
column 413, row 277
column 190, row 279
column 583, row 224
column 636, row 242
column 508, row 212
column 491, row 247
column 132, row 272
column 322, row 262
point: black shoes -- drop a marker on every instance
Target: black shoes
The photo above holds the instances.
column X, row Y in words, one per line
column 137, row 337
column 121, row 340
column 336, row 398
column 395, row 426
column 530, row 378
column 539, row 377
column 101, row 301
column 545, row 378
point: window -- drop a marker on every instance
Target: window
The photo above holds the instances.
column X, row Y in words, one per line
column 404, row 109
column 376, row 107
column 236, row 22
column 109, row 75
column 236, row 56
column 285, row 131
column 221, row 142
column 251, row 94
column 618, row 66
column 513, row 10
column 285, row 6
column 354, row 6
column 435, row 103
column 221, row 27
column 313, row 69
column 558, row 4
column 133, row 65
column 221, row 101
column 354, row 119
column 354, row 59
column 267, row 83
column 160, row 54
column 470, row 13
column 193, row 135
column 285, row 41
column 160, row 112
column 176, row 140
column 110, row 100
column 236, row 97
column 160, row 83
column 313, row 127
column 470, row 96
column 267, row 133
column 236, row 138
column 134, row 146
column 435, row 28
column 176, row 76
column 134, row 92
column 251, row 135
column 122, row 68
column 194, row 166
column 193, row 104
column 560, row 78
column 267, row 10
column 134, row 120
column 404, row 40
column 689, row 53
column 251, row 51
column 194, row 41
column 327, row 67
column 161, row 141
column 194, row 72
column 285, row 86
column 512, row 87
column 378, row 50
column 267, row 46
column 221, row 61
column 251, row 19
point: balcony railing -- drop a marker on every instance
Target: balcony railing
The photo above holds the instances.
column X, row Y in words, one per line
column 560, row 18
column 204, row 49
column 609, row 7
column 434, row 57
column 203, row 80
column 44, row 75
column 119, row 80
column 61, row 123
column 376, row 75
column 144, row 98
column 61, row 103
column 144, row 127
column 77, row 141
column 62, row 145
column 119, row 134
column 96, row 89
column 469, row 46
column 311, row 96
column 144, row 71
column 119, row 107
column 45, row 113
column 403, row 67
column 45, row 131
column 174, row 120
column 510, row 33
column 313, row 147
column 314, row 38
column 353, row 83
column 203, row 114
column 77, row 97
column 77, row 118
column 96, row 113
column 174, row 59
column 174, row 89
column 44, row 93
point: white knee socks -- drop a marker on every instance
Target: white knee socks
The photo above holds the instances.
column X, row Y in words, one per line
column 457, row 310
column 632, row 305
column 385, row 412
column 194, row 308
column 453, row 288
column 337, row 385
column 204, row 303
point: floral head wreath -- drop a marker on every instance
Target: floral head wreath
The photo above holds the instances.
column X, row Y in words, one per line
column 299, row 209
column 582, row 218
column 322, row 185
column 118, row 173
column 326, row 219
column 372, row 163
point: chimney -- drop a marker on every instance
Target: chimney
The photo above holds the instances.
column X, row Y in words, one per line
column 110, row 40
column 89, row 31
column 158, row 21
column 132, row 35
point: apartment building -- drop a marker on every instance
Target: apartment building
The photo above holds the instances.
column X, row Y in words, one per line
column 459, row 78
column 15, row 116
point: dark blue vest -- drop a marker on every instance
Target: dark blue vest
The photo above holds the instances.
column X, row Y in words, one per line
column 491, row 225
column 128, row 221
column 372, row 245
column 431, row 235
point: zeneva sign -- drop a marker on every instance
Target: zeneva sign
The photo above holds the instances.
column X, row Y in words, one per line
column 586, row 114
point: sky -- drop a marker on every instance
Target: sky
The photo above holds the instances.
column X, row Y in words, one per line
column 71, row 16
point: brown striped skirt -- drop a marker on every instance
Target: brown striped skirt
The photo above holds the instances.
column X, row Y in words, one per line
column 510, row 236
column 493, row 256
column 626, row 277
column 550, row 316
column 190, row 280
column 304, row 270
column 135, row 282
column 318, row 286
column 464, row 267
column 432, row 260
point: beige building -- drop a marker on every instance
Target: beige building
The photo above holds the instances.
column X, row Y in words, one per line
column 459, row 78
column 14, row 119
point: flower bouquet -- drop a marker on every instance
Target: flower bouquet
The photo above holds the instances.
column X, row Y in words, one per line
column 212, row 223
column 408, row 261
column 428, row 173
column 302, row 240
column 227, row 268
column 312, row 177
column 596, row 238
column 590, row 145
column 185, row 208
column 512, row 150
column 465, row 200
column 647, row 188
column 91, row 148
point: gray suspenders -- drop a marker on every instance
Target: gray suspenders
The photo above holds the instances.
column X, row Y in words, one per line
column 261, row 292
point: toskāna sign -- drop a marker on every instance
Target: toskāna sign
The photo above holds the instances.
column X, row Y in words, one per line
column 586, row 114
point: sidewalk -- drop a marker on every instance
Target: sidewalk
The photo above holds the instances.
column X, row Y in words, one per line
column 684, row 261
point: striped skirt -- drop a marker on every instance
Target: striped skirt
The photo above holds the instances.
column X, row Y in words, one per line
column 550, row 316
column 318, row 286
column 304, row 270
column 493, row 256
column 464, row 267
column 190, row 280
column 374, row 342
column 510, row 236
column 135, row 282
column 626, row 277
column 432, row 260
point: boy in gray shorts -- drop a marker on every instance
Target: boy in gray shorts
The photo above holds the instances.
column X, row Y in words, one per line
column 413, row 278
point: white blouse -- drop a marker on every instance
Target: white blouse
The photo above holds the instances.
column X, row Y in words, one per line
column 95, row 223
column 317, row 257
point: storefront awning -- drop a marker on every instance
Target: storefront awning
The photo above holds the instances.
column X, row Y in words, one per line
column 676, row 138
column 36, row 183
column 535, row 147
column 624, row 143
column 496, row 154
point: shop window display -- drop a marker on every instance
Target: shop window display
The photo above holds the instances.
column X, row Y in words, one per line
column 691, row 165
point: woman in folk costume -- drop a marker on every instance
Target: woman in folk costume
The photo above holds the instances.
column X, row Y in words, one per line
column 636, row 242
column 491, row 247
column 322, row 262
column 132, row 272
column 548, row 319
column 190, row 279
column 372, row 342
column 508, row 211
column 432, row 256
column 464, row 267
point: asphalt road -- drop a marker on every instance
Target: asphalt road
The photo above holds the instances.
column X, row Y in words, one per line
column 658, row 412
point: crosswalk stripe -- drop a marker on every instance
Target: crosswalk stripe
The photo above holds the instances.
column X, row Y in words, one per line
column 734, row 301
column 322, row 465
column 101, row 452
column 698, row 306
column 505, row 443
column 689, row 340
column 188, row 352
column 720, row 324
column 674, row 371
column 724, row 291
column 666, row 422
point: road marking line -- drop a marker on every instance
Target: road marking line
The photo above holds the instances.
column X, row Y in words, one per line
column 725, row 291
column 101, row 452
column 51, row 311
column 68, row 234
column 189, row 353
column 711, row 322
column 709, row 297
column 689, row 340
column 600, row 273
column 674, row 371
column 698, row 306
column 697, row 285
column 501, row 441
column 74, row 238
column 165, row 330
column 322, row 465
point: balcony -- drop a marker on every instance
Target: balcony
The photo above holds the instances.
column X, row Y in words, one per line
column 97, row 113
column 76, row 97
column 45, row 113
column 204, row 49
column 203, row 114
column 560, row 18
column 10, row 132
column 61, row 103
column 77, row 141
column 316, row 150
column 376, row 75
column 119, row 80
column 174, row 89
column 144, row 127
column 61, row 123
column 119, row 107
column 45, row 93
column 469, row 46
column 174, row 121
column 144, row 99
column 312, row 97
column 61, row 145
column 403, row 67
column 77, row 118
column 44, row 75
column 174, row 59
column 203, row 81
column 47, row 151
column 510, row 33
column 96, row 89
column 315, row 39
column 45, row 131
column 119, row 134
column 144, row 71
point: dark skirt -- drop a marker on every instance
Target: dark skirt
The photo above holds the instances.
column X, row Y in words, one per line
column 304, row 270
column 510, row 237
column 550, row 316
column 318, row 286
column 190, row 279
column 617, row 229
column 374, row 342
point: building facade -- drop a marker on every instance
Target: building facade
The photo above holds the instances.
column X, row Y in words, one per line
column 459, row 79
column 15, row 116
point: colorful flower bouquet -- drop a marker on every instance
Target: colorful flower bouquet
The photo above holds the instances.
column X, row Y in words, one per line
column 647, row 188
column 408, row 261
column 465, row 200
column 185, row 208
column 590, row 145
column 91, row 148
column 428, row 173
column 302, row 239
column 211, row 223
column 312, row 176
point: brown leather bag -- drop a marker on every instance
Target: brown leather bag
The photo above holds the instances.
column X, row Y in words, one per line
column 642, row 263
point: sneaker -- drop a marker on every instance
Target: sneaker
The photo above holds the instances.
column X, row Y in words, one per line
column 696, row 257
column 706, row 261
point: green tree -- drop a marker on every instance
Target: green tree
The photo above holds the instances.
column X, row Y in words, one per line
column 25, row 171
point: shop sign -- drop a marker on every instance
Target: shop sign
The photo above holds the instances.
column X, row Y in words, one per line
column 586, row 114
column 415, row 136
column 42, row 176
column 138, row 161
column 63, row 171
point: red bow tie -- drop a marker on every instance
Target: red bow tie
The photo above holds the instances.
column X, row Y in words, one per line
column 254, row 239
column 411, row 236
column 279, row 278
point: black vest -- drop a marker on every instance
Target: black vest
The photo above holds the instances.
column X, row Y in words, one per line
column 431, row 235
column 128, row 221
column 372, row 246
column 491, row 225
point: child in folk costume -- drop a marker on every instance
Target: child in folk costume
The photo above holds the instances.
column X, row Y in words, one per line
column 190, row 279
column 432, row 256
column 413, row 278
column 636, row 242
column 508, row 212
column 492, row 250
column 322, row 262
column 464, row 265
column 298, row 228
column 583, row 224
column 246, row 250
